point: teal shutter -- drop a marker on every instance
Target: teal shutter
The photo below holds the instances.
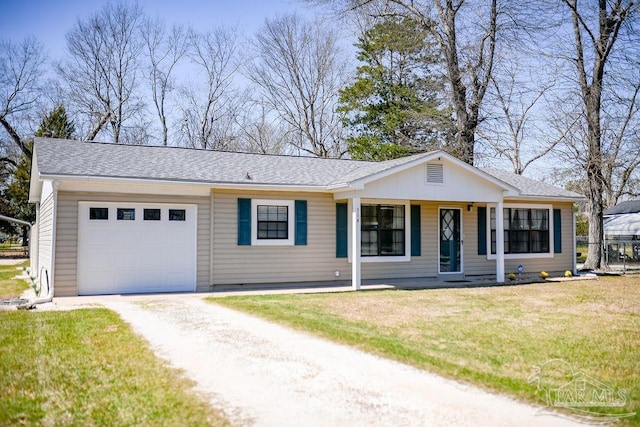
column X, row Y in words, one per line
column 342, row 230
column 301, row 222
column 416, row 236
column 244, row 222
column 482, row 231
column 557, row 231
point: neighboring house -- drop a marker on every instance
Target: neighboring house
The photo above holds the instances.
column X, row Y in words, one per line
column 622, row 222
column 124, row 218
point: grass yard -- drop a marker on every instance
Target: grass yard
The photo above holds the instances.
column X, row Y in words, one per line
column 86, row 367
column 9, row 287
column 491, row 337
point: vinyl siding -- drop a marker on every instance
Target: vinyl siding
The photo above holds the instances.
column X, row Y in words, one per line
column 479, row 264
column 45, row 242
column 67, row 234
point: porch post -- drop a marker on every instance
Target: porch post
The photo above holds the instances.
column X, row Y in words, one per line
column 500, row 242
column 355, row 243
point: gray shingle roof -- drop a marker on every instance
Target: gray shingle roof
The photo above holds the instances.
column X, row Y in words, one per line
column 67, row 158
column 531, row 187
column 630, row 206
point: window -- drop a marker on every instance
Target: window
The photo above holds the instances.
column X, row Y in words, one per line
column 151, row 215
column 383, row 230
column 273, row 222
column 126, row 214
column 98, row 213
column 526, row 231
column 177, row 215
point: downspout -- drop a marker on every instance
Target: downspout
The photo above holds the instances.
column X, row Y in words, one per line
column 47, row 276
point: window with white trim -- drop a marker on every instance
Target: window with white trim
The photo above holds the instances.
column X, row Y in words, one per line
column 382, row 230
column 526, row 231
column 272, row 222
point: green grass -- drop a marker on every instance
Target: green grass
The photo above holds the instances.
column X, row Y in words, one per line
column 86, row 367
column 491, row 337
column 10, row 287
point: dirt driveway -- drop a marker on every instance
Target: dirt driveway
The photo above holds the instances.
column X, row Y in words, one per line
column 267, row 375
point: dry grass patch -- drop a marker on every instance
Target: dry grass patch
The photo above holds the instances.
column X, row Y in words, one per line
column 488, row 336
column 10, row 287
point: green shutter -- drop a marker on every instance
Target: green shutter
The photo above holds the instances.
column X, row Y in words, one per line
column 557, row 231
column 482, row 230
column 342, row 230
column 416, row 236
column 301, row 222
column 244, row 222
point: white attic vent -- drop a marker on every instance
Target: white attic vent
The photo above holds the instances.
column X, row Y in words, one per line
column 435, row 173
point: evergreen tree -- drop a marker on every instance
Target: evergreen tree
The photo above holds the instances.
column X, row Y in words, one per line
column 392, row 109
column 16, row 193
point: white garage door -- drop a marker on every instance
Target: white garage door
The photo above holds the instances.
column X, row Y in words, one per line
column 136, row 248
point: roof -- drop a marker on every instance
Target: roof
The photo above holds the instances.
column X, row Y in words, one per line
column 60, row 159
column 630, row 206
column 623, row 225
column 530, row 187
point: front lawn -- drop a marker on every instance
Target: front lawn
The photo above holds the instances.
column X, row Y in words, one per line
column 491, row 336
column 10, row 287
column 86, row 367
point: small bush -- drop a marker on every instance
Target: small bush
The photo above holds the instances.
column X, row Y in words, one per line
column 511, row 277
column 568, row 274
column 544, row 274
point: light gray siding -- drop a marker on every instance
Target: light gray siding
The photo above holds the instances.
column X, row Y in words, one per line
column 45, row 241
column 67, row 234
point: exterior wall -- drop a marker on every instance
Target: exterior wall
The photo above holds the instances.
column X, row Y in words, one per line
column 316, row 261
column 45, row 241
column 479, row 264
column 67, row 234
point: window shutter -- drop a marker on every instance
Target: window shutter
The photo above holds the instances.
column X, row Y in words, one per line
column 342, row 230
column 557, row 231
column 244, row 222
column 301, row 222
column 416, row 237
column 482, row 230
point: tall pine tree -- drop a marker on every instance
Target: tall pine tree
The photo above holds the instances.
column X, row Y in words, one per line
column 393, row 107
column 16, row 193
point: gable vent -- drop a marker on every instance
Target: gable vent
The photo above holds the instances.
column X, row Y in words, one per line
column 435, row 173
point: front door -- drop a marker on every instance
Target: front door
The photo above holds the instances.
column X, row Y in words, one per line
column 450, row 241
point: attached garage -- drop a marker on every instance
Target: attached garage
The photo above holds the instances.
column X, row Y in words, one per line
column 136, row 248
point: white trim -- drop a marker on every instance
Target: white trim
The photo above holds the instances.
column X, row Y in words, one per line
column 356, row 270
column 407, row 231
column 440, row 208
column 290, row 241
column 541, row 255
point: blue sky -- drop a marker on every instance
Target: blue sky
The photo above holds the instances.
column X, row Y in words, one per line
column 49, row 20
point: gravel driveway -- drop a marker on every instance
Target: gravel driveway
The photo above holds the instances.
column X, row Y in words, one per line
column 267, row 375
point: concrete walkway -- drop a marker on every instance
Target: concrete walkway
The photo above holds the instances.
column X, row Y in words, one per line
column 266, row 375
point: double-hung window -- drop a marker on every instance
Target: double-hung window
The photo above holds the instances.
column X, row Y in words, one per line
column 382, row 230
column 273, row 222
column 526, row 231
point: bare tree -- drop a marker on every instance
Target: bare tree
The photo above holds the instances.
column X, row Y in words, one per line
column 103, row 67
column 467, row 35
column 299, row 70
column 165, row 48
column 260, row 131
column 209, row 107
column 21, row 70
column 600, row 41
column 512, row 127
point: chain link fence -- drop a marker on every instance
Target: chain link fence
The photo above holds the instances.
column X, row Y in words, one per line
column 620, row 254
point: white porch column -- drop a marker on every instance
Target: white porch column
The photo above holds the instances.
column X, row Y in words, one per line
column 355, row 243
column 500, row 242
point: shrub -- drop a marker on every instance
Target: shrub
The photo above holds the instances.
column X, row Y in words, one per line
column 568, row 274
column 544, row 274
column 511, row 277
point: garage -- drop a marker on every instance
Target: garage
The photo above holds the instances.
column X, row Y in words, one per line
column 136, row 248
